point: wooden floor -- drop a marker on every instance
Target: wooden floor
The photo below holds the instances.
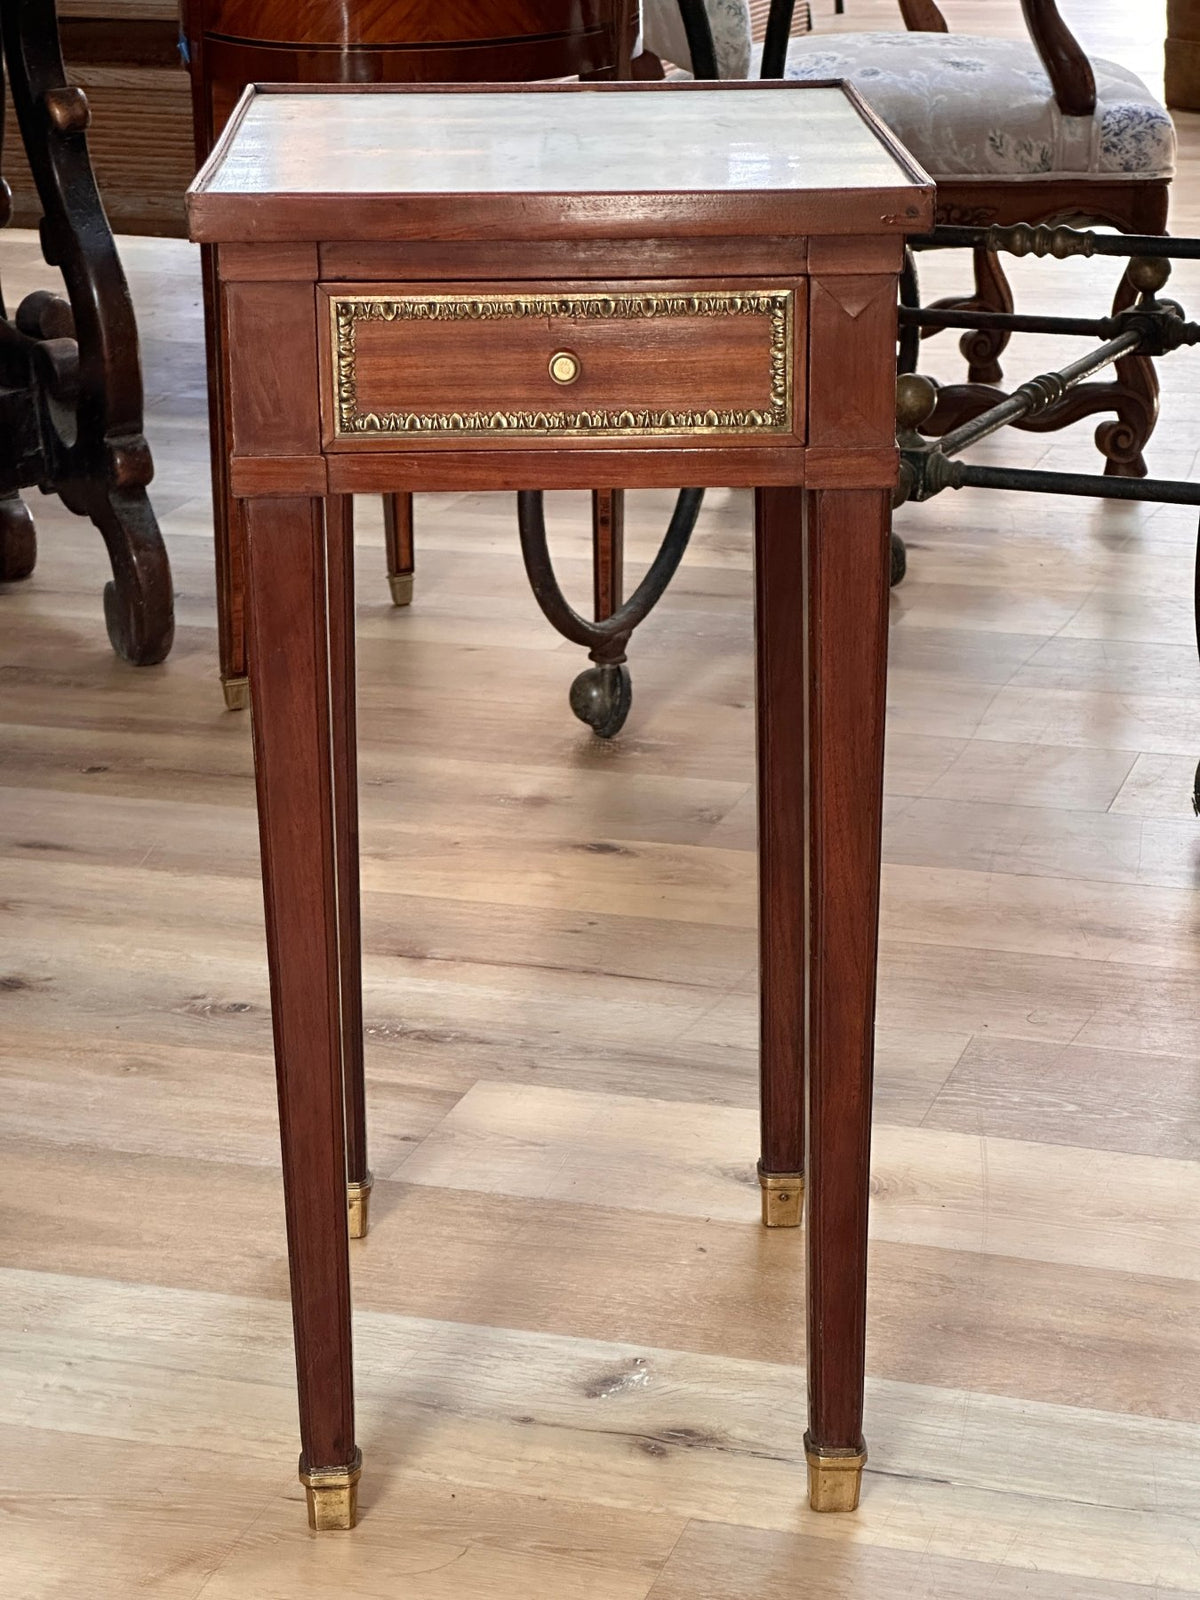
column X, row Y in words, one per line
column 579, row 1356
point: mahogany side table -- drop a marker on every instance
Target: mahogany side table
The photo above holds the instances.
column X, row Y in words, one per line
column 569, row 286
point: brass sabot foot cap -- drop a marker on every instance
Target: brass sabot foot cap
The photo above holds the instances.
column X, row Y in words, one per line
column 782, row 1198
column 359, row 1197
column 236, row 692
column 834, row 1477
column 401, row 585
column 332, row 1494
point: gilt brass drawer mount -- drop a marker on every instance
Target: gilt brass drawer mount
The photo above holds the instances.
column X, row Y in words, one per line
column 629, row 364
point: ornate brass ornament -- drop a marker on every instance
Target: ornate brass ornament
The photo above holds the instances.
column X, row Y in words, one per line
column 776, row 306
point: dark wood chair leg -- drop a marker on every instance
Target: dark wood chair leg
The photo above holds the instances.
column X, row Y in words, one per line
column 401, row 557
column 290, row 695
column 1123, row 442
column 339, row 524
column 984, row 347
column 100, row 464
column 779, row 606
column 846, row 559
column 139, row 604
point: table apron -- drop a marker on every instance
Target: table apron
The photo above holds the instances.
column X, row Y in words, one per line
column 448, row 472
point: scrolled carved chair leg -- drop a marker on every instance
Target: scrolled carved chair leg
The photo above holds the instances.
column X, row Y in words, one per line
column 138, row 602
column 1131, row 395
column 960, row 402
column 1123, row 442
column 982, row 347
column 84, row 396
column 1135, row 400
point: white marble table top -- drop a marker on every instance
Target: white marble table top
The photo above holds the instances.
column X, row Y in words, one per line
column 688, row 140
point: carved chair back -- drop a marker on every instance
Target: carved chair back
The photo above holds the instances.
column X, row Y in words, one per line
column 1067, row 67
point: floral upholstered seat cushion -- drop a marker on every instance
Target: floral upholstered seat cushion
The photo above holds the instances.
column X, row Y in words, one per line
column 970, row 107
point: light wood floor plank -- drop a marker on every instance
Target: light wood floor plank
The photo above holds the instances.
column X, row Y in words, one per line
column 727, row 1563
column 694, row 1436
column 693, row 1282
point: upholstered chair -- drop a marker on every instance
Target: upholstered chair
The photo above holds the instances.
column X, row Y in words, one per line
column 1011, row 130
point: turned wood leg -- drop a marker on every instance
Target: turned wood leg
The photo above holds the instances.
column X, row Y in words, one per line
column 608, row 551
column 846, row 573
column 779, row 608
column 398, row 536
column 339, row 526
column 293, row 759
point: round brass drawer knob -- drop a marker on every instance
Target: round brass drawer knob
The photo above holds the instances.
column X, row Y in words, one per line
column 564, row 366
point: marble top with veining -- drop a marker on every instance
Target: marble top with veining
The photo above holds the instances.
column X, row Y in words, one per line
column 636, row 141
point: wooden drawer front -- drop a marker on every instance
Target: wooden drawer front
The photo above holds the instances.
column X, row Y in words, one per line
column 655, row 362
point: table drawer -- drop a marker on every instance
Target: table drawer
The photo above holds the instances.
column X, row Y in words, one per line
column 635, row 363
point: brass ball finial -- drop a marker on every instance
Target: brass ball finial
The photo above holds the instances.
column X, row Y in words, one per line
column 1148, row 274
column 916, row 398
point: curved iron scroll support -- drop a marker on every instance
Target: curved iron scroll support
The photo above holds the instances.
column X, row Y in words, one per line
column 694, row 16
column 87, row 388
column 775, row 41
column 601, row 696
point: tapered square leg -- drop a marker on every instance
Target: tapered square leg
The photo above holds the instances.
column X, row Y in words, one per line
column 608, row 551
column 401, row 553
column 779, row 609
column 293, row 760
column 339, row 525
column 229, row 520
column 846, row 571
